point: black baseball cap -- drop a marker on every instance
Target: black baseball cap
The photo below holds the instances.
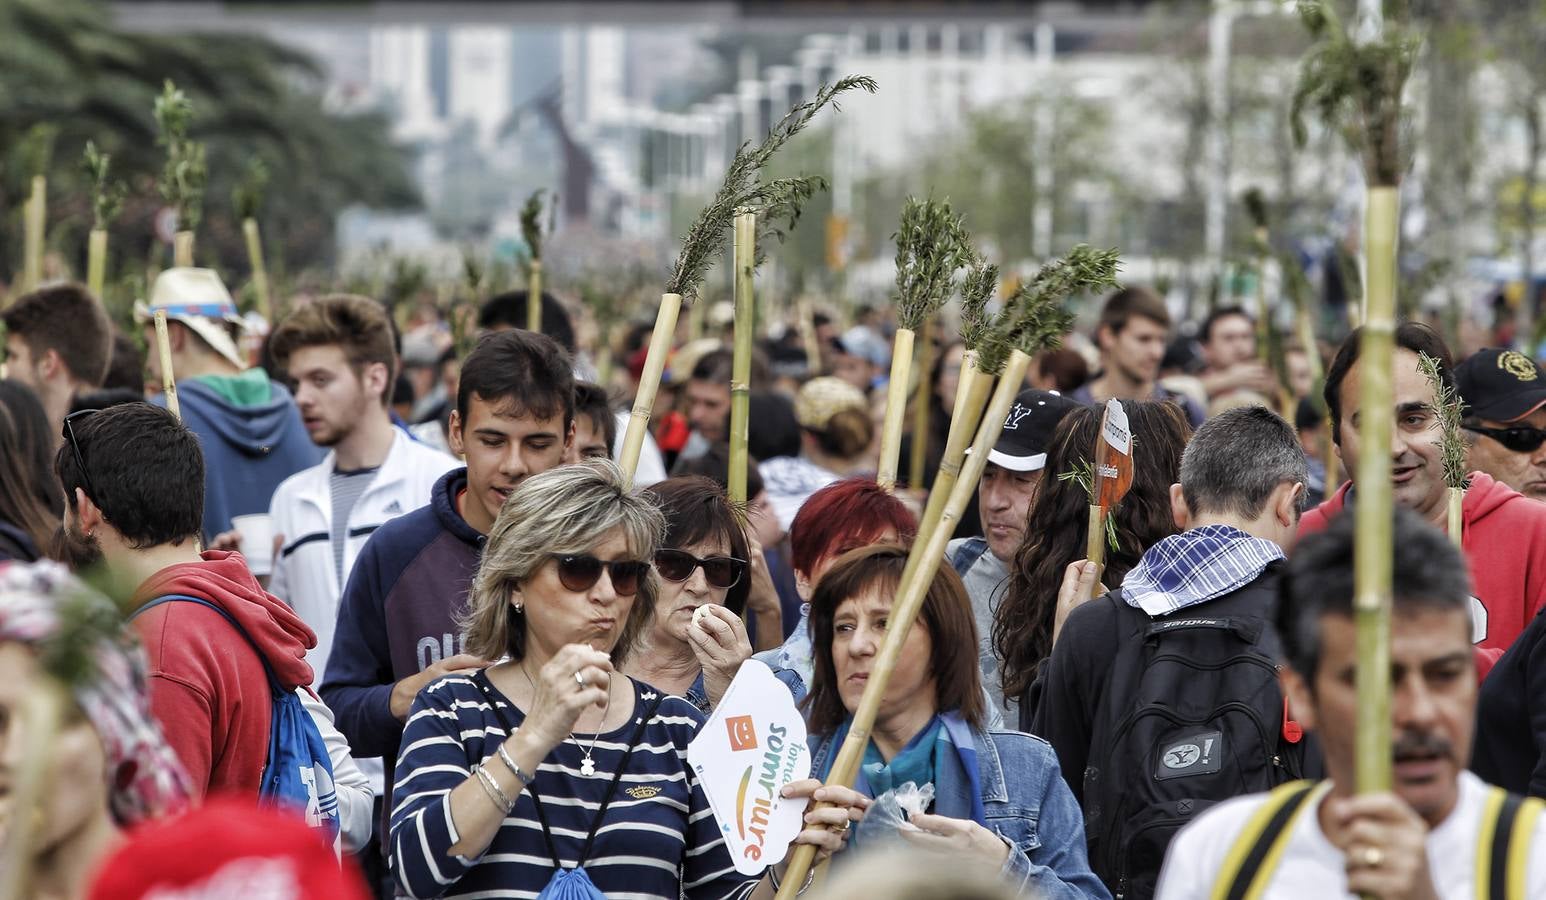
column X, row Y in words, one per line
column 1022, row 447
column 1500, row 385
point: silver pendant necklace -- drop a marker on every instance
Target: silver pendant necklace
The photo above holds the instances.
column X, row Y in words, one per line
column 587, row 764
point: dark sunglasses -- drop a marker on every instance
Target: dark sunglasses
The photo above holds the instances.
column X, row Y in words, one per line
column 719, row 571
column 75, row 449
column 1519, row 439
column 580, row 573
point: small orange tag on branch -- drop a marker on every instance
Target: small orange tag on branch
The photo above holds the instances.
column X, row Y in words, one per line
column 1113, row 456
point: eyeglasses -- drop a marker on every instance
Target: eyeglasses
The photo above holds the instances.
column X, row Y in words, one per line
column 719, row 571
column 1520, row 439
column 581, row 572
column 75, row 449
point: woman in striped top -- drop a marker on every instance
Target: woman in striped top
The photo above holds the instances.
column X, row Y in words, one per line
column 551, row 766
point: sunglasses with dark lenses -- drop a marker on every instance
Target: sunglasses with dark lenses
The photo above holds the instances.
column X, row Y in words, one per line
column 719, row 571
column 580, row 573
column 1519, row 439
column 75, row 449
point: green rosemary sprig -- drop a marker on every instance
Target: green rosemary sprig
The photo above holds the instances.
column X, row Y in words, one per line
column 35, row 151
column 705, row 240
column 185, row 174
column 782, row 202
column 531, row 223
column 931, row 244
column 247, row 196
column 976, row 292
column 1446, row 406
column 107, row 196
column 1083, row 474
column 1355, row 87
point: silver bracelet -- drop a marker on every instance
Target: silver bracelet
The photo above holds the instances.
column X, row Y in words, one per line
column 491, row 787
column 810, row 876
column 522, row 777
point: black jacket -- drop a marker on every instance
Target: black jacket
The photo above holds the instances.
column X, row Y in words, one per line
column 1510, row 746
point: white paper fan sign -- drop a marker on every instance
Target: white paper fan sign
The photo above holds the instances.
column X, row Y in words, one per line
column 753, row 745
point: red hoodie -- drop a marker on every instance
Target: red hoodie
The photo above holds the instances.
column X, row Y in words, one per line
column 207, row 688
column 1504, row 538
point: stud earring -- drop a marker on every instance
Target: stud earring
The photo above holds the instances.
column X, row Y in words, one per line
column 520, row 608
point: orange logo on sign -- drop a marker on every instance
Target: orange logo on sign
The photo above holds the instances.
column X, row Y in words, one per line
column 743, row 733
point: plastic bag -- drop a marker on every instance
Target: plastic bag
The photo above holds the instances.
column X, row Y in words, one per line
column 571, row 884
column 893, row 808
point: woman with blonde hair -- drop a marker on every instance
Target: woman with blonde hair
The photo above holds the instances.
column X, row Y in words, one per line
column 551, row 771
column 836, row 435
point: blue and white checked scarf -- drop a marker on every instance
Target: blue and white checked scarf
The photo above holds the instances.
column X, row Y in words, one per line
column 1196, row 566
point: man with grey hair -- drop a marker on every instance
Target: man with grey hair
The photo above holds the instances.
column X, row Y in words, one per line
column 1161, row 697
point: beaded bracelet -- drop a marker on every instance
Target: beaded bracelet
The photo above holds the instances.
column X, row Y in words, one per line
column 491, row 787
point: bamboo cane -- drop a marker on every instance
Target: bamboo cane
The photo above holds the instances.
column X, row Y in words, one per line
column 36, row 216
column 807, row 327
column 182, row 249
column 42, row 710
column 1095, row 542
column 896, row 407
column 695, row 316
column 164, row 353
column 745, row 254
column 534, row 297
column 649, row 383
column 971, row 392
column 1455, row 510
column 925, row 366
column 259, row 269
column 1375, row 497
column 909, row 601
column 96, row 261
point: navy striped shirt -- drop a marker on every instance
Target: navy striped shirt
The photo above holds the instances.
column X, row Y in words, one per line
column 659, row 840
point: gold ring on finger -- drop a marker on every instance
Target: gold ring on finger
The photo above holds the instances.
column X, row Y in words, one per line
column 1371, row 857
column 580, row 680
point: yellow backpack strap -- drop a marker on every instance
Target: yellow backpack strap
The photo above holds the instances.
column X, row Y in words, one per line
column 1254, row 855
column 1503, row 844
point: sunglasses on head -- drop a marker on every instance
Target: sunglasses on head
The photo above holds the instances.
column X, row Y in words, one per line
column 75, row 449
column 1520, row 439
column 581, row 572
column 719, row 571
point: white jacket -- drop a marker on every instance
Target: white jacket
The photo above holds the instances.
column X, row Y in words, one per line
column 302, row 511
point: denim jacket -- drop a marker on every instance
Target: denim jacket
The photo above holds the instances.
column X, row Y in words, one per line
column 1033, row 811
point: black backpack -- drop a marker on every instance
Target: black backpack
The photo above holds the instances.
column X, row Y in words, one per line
column 1192, row 716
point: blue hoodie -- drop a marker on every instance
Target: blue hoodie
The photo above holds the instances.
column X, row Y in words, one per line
column 248, row 449
column 397, row 615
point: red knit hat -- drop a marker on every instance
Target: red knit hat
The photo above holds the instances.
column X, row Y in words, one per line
column 229, row 847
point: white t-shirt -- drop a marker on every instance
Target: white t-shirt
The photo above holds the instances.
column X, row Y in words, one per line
column 1312, row 866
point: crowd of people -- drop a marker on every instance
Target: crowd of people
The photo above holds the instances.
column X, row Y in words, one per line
column 417, row 577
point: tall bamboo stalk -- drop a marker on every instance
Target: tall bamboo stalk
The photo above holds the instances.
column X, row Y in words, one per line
column 534, row 297
column 1373, row 550
column 741, row 360
column 781, row 199
column 917, row 463
column 96, row 261
column 649, row 383
column 182, row 249
column 164, row 353
column 807, row 326
column 36, row 217
column 254, row 243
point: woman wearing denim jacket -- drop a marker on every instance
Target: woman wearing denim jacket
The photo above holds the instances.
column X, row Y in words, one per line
column 999, row 799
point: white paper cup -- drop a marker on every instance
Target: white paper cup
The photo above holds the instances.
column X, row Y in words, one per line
column 257, row 533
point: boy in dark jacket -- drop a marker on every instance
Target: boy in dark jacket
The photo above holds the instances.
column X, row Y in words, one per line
column 397, row 620
column 1242, row 482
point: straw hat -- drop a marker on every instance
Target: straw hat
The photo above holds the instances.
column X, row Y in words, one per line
column 822, row 398
column 198, row 299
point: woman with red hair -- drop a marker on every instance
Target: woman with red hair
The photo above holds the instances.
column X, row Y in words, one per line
column 843, row 516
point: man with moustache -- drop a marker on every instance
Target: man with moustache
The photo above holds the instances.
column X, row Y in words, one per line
column 1504, row 534
column 1504, row 393
column 1009, row 486
column 398, row 626
column 1440, row 831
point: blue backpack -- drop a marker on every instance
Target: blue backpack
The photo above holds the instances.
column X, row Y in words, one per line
column 298, row 773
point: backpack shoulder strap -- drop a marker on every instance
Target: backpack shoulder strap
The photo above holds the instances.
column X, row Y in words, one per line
column 273, row 678
column 1503, row 844
column 1255, row 853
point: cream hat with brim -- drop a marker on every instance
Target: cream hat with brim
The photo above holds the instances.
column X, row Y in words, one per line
column 198, row 299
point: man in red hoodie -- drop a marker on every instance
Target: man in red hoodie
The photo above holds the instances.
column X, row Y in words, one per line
column 134, row 478
column 1504, row 533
